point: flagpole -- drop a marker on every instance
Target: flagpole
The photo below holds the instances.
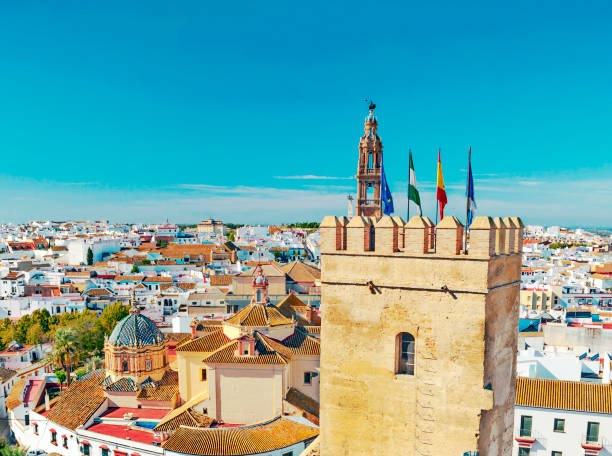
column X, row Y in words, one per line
column 436, row 206
column 437, row 165
column 408, row 192
column 467, row 199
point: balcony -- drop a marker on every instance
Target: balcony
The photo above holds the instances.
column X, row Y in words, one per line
column 369, row 171
column 592, row 442
column 368, row 202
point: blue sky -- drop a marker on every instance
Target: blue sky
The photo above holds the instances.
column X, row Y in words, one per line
column 252, row 111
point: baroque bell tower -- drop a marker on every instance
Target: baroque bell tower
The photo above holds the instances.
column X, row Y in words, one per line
column 368, row 175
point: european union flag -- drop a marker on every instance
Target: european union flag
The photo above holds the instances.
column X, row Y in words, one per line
column 385, row 194
column 471, row 203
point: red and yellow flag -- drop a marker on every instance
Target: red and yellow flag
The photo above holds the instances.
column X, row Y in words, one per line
column 441, row 191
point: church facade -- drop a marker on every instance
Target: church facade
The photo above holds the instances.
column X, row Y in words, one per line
column 244, row 368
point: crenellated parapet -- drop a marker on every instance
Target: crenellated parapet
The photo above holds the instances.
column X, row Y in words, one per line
column 488, row 237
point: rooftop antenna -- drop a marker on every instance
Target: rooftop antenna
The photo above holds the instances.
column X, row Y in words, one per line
column 350, row 206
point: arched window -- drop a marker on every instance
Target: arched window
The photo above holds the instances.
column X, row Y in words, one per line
column 125, row 366
column 404, row 348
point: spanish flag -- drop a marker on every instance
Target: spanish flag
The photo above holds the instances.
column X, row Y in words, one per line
column 441, row 192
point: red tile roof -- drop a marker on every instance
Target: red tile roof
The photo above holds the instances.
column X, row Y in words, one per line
column 124, row 432
column 261, row 438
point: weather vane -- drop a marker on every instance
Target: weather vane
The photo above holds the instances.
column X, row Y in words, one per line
column 372, row 105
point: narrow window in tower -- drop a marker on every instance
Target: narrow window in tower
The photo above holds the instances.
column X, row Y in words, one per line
column 370, row 193
column 405, row 349
column 370, row 160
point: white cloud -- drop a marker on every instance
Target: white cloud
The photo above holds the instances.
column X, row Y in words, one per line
column 581, row 199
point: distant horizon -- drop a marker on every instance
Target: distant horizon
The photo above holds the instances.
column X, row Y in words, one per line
column 285, row 223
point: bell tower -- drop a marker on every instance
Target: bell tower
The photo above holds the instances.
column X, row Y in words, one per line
column 368, row 175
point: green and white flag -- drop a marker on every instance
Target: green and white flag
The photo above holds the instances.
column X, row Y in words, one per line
column 413, row 192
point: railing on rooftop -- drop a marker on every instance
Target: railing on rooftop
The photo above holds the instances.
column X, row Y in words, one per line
column 368, row 202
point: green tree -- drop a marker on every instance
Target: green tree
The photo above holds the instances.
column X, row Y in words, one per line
column 79, row 373
column 36, row 335
column 12, row 450
column 61, row 376
column 135, row 269
column 88, row 333
column 21, row 331
column 66, row 353
column 231, row 236
column 111, row 315
column 89, row 256
column 42, row 318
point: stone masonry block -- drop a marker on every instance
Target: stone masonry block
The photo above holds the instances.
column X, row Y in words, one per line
column 500, row 236
column 482, row 237
column 417, row 235
column 449, row 236
column 386, row 235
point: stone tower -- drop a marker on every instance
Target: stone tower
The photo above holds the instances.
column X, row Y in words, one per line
column 418, row 344
column 369, row 203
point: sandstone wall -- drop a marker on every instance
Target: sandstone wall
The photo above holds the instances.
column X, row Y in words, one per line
column 380, row 280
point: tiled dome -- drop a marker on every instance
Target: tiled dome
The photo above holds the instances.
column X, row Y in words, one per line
column 135, row 330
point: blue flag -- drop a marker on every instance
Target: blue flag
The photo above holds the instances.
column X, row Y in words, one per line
column 471, row 204
column 385, row 194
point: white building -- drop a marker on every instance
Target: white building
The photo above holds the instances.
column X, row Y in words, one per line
column 562, row 418
column 78, row 248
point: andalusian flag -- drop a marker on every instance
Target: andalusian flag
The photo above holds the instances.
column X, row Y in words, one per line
column 413, row 192
column 441, row 191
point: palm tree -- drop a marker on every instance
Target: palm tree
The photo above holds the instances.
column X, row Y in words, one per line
column 66, row 351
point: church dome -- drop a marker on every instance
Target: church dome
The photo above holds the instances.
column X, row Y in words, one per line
column 135, row 330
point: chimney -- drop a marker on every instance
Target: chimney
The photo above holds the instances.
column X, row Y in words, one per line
column 47, row 395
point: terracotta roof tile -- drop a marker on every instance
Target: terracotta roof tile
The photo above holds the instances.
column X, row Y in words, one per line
column 220, row 280
column 6, row 374
column 208, row 343
column 261, row 438
column 157, row 279
column 302, row 401
column 165, row 391
column 14, row 397
column 564, row 395
column 78, row 402
column 266, row 353
column 300, row 272
column 187, row 418
column 256, row 314
column 302, row 343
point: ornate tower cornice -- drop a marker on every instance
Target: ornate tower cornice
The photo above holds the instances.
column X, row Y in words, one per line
column 369, row 168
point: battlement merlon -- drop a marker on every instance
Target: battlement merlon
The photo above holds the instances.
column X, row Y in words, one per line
column 488, row 237
column 493, row 257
